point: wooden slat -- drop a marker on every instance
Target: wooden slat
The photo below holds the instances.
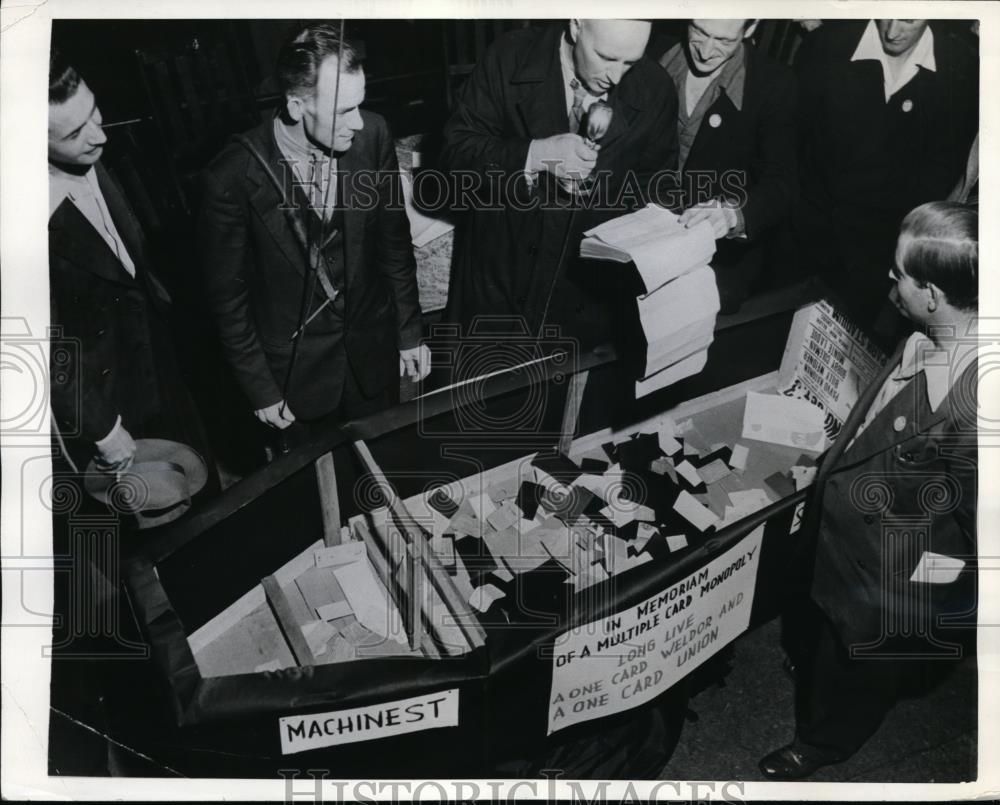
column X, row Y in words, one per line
column 466, row 618
column 329, row 499
column 571, row 411
column 381, row 565
column 286, row 620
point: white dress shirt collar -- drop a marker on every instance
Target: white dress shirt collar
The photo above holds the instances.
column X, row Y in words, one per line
column 922, row 55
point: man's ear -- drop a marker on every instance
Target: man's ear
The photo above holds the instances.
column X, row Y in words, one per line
column 934, row 296
column 296, row 107
column 750, row 29
column 574, row 30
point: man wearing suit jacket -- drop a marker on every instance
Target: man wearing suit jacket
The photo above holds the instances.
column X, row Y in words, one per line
column 122, row 381
column 516, row 131
column 736, row 131
column 894, row 509
column 888, row 110
column 306, row 247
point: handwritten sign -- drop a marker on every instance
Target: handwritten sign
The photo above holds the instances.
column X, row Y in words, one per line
column 625, row 660
column 317, row 730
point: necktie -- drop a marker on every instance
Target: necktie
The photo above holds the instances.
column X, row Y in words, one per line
column 576, row 112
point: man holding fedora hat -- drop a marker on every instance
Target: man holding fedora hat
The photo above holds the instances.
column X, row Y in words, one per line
column 119, row 381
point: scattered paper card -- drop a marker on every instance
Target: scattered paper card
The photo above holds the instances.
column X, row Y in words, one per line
column 692, row 511
column 644, row 534
column 317, row 635
column 482, row 506
column 780, row 484
column 505, row 516
column 738, row 461
column 483, row 597
column 668, row 444
column 803, row 476
column 687, row 471
column 369, row 602
column 343, row 554
column 338, row 609
column 783, row 420
column 676, row 542
column 713, row 471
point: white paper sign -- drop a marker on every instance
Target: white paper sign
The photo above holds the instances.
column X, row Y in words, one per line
column 626, row 659
column 316, row 730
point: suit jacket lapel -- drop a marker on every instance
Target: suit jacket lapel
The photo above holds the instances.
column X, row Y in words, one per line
column 130, row 231
column 124, row 219
column 73, row 237
column 542, row 107
column 267, row 201
column 354, row 218
column 906, row 414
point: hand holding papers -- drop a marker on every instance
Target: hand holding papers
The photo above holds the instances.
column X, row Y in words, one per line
column 645, row 238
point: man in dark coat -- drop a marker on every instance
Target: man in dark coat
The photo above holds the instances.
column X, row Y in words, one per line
column 894, row 510
column 516, row 133
column 117, row 379
column 736, row 131
column 888, row 110
column 303, row 237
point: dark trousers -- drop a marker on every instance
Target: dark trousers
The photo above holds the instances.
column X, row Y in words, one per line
column 841, row 701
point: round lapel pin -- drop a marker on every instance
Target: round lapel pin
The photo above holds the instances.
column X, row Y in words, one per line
column 715, row 121
column 907, row 105
column 899, row 423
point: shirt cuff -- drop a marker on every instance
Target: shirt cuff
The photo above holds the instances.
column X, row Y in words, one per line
column 530, row 176
column 738, row 229
column 112, row 434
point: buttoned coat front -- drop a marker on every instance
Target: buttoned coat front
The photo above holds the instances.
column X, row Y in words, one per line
column 256, row 269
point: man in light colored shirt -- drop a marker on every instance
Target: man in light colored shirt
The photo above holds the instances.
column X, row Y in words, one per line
column 121, row 380
column 888, row 111
column 736, row 130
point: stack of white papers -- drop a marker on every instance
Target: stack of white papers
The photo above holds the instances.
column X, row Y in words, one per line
column 681, row 300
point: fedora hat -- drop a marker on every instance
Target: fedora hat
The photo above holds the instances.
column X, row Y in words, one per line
column 159, row 485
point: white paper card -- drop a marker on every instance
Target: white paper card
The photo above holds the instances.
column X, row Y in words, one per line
column 338, row 609
column 738, row 460
column 688, row 472
column 344, row 554
column 692, row 511
column 369, row 602
column 936, row 568
column 784, row 420
column 677, row 542
column 483, row 597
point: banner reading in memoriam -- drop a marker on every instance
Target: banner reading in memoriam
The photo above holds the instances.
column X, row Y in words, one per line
column 624, row 660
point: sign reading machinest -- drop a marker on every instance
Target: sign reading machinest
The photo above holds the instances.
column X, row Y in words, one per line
column 626, row 659
column 316, row 730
